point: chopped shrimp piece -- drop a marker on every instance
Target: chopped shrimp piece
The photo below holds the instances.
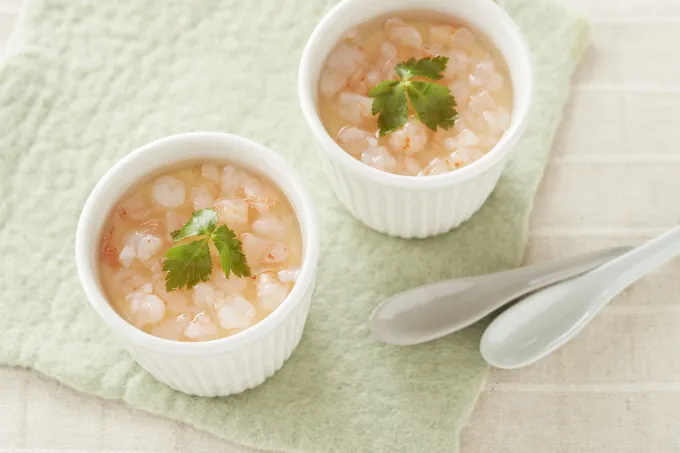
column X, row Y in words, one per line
column 147, row 246
column 346, row 60
column 330, row 83
column 254, row 189
column 409, row 139
column 354, row 107
column 389, row 70
column 170, row 329
column 232, row 211
column 141, row 246
column 201, row 328
column 269, row 226
column 465, row 138
column 205, row 294
column 145, row 307
column 383, row 69
column 482, row 101
column 127, row 280
column 486, row 75
column 441, row 34
column 485, row 67
column 475, row 80
column 235, row 312
column 232, row 180
column 177, row 301
column 231, row 285
column 127, row 255
column 135, row 208
column 498, row 120
column 463, row 38
column 364, row 80
column 399, row 32
column 462, row 157
column 211, row 172
column 277, row 253
column 201, row 198
column 459, row 126
column 373, row 78
column 411, row 166
column 270, row 291
column 457, row 65
column 354, row 140
column 183, row 320
column 254, row 247
column 288, row 275
column 388, row 51
column 437, row 166
column 168, row 192
column 380, row 158
column 262, row 205
column 173, row 222
column 258, row 197
column 460, row 89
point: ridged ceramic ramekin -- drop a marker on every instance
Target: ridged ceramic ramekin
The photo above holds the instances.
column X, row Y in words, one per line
column 408, row 206
column 227, row 365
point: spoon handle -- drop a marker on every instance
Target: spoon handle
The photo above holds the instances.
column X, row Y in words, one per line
column 514, row 283
column 626, row 269
column 540, row 275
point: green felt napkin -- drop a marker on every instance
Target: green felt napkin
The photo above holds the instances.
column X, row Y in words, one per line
column 86, row 82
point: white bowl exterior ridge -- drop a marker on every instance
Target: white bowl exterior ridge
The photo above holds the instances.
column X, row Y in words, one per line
column 231, row 371
column 411, row 213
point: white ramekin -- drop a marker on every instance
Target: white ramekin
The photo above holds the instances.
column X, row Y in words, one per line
column 408, row 206
column 228, row 365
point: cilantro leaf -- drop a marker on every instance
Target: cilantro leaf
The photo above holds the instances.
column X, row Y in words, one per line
column 433, row 103
column 201, row 222
column 429, row 67
column 187, row 265
column 382, row 89
column 231, row 255
column 390, row 102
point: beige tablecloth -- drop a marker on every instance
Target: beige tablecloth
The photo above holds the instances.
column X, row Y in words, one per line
column 613, row 179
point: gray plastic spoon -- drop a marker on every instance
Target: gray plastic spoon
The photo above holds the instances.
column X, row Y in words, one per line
column 431, row 311
column 545, row 320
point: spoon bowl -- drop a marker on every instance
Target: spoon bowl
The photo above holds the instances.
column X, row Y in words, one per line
column 431, row 311
column 514, row 342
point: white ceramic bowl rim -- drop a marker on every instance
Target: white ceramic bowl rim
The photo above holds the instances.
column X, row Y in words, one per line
column 522, row 100
column 291, row 185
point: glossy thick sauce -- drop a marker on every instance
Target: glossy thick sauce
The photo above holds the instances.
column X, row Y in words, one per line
column 137, row 234
column 476, row 75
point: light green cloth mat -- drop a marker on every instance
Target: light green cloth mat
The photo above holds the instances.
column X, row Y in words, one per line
column 86, row 82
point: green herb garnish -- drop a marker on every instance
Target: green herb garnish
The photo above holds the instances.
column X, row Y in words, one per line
column 188, row 264
column 433, row 103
